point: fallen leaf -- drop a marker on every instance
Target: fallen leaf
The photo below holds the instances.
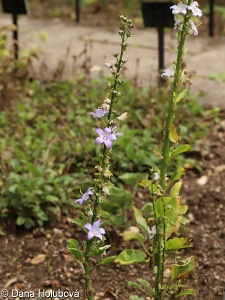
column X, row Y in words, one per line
column 38, row 259
column 10, row 282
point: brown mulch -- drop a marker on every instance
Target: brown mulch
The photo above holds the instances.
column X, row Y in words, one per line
column 39, row 260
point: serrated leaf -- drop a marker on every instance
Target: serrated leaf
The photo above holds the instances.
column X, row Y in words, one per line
column 130, row 256
column 182, row 271
column 140, row 220
column 128, row 236
column 107, row 260
column 180, row 149
column 178, row 243
column 180, row 96
column 185, row 292
column 176, row 189
column 173, row 135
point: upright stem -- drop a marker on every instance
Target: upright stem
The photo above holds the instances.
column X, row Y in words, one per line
column 99, row 179
column 171, row 108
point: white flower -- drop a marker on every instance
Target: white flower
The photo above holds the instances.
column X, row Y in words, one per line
column 110, row 64
column 152, row 232
column 194, row 28
column 123, row 116
column 195, row 10
column 156, row 176
column 105, row 191
column 105, row 107
column 180, row 8
column 168, row 72
column 178, row 24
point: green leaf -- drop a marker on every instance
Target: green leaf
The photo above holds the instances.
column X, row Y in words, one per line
column 140, row 220
column 176, row 175
column 137, row 286
column 52, row 198
column 144, row 282
column 180, row 149
column 185, row 293
column 20, row 220
column 107, row 260
column 180, row 96
column 79, row 222
column 130, row 256
column 176, row 189
column 128, row 236
column 105, row 214
column 72, row 248
column 182, row 271
column 178, row 243
column 145, row 183
column 135, row 297
column 132, row 179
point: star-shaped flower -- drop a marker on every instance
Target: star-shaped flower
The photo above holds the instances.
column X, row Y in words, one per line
column 180, row 8
column 94, row 230
column 98, row 113
column 106, row 136
column 85, row 196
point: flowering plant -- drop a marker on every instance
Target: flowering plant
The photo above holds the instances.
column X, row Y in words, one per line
column 90, row 217
column 160, row 220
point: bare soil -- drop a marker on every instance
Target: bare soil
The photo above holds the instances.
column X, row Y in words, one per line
column 38, row 259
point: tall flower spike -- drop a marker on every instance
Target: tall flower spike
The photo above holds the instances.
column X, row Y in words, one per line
column 94, row 230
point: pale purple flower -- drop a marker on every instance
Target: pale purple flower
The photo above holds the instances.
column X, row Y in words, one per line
column 193, row 26
column 110, row 64
column 106, row 136
column 195, row 10
column 168, row 72
column 85, row 196
column 116, row 133
column 94, row 230
column 98, row 113
column 180, row 8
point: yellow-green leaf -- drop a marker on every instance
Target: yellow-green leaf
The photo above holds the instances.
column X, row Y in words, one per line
column 140, row 219
column 178, row 243
column 173, row 134
column 128, row 236
column 182, row 271
column 180, row 149
column 176, row 189
column 180, row 96
column 130, row 256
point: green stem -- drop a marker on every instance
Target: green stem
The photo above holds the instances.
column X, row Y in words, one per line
column 171, row 109
column 88, row 265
